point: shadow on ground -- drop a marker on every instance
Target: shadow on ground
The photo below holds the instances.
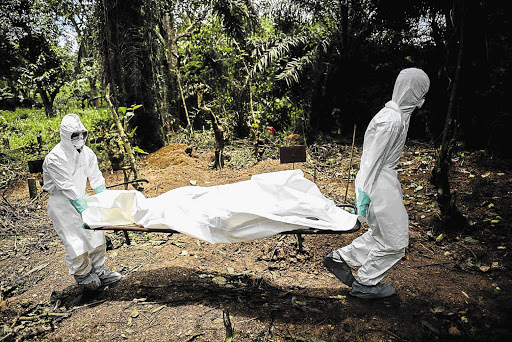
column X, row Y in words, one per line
column 249, row 296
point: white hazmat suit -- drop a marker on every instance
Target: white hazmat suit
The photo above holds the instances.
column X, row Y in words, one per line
column 66, row 170
column 378, row 190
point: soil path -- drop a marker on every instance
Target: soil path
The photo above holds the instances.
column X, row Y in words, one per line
column 175, row 288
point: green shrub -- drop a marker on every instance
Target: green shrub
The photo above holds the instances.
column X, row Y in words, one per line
column 23, row 126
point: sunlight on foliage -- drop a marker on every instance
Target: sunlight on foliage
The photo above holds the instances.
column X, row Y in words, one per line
column 23, row 126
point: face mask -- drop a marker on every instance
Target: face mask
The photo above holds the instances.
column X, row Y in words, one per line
column 78, row 143
column 78, row 139
column 420, row 103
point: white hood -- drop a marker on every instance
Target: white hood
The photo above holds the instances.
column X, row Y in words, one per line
column 70, row 123
column 410, row 87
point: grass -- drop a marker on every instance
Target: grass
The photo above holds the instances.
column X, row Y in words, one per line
column 23, row 126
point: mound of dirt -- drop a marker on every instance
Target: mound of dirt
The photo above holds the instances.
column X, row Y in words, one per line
column 174, row 154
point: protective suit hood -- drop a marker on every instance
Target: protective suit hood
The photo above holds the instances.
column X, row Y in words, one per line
column 70, row 123
column 410, row 87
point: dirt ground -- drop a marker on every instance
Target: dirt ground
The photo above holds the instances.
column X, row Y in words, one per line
column 453, row 286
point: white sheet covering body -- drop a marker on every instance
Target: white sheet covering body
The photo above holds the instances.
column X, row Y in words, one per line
column 263, row 206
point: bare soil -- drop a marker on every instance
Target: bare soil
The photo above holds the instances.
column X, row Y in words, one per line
column 455, row 286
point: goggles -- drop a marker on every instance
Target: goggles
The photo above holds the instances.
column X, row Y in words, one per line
column 75, row 136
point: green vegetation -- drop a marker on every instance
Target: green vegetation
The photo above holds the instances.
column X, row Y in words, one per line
column 314, row 68
column 305, row 67
column 23, row 126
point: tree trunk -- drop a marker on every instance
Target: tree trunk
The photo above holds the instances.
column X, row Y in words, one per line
column 128, row 46
column 450, row 216
column 172, row 65
column 48, row 105
column 95, row 99
column 218, row 131
column 344, row 23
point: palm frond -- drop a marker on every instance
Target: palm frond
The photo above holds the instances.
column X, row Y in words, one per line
column 268, row 54
column 238, row 17
column 296, row 67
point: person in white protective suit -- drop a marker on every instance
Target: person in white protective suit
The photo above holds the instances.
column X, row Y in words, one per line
column 65, row 172
column 379, row 195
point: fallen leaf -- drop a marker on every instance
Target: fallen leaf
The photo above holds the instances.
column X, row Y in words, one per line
column 308, row 308
column 179, row 243
column 296, row 302
column 453, row 331
column 437, row 310
column 157, row 309
column 219, row 280
column 342, row 297
column 183, row 253
column 134, row 313
column 484, row 268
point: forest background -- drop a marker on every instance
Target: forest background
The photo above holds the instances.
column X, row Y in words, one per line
column 306, row 67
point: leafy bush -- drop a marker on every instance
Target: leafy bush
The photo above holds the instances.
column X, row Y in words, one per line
column 23, row 126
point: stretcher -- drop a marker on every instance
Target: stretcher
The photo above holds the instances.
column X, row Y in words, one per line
column 288, row 155
column 298, row 232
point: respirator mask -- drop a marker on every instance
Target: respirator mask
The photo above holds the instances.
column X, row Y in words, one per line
column 78, row 139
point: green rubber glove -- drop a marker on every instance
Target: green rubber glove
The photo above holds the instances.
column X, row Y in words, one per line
column 362, row 202
column 80, row 205
column 100, row 188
